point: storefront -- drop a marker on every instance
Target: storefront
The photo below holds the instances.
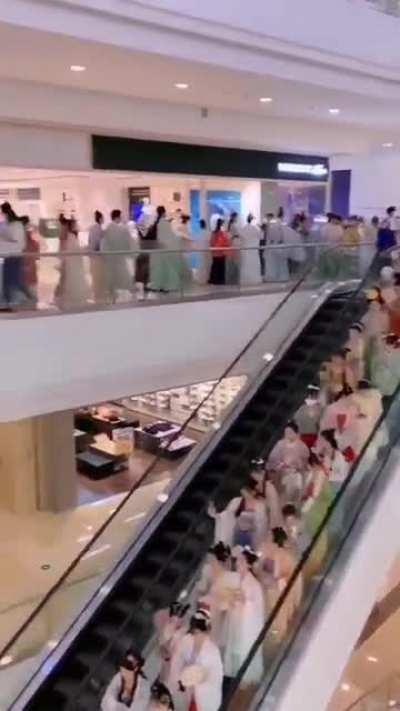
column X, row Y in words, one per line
column 117, row 442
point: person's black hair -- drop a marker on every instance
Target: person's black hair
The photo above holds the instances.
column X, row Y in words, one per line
column 161, row 693
column 250, row 218
column 25, row 220
column 313, row 459
column 281, row 213
column 345, row 392
column 200, row 621
column 329, row 435
column 9, row 212
column 98, row 216
column 116, row 214
column 279, row 536
column 375, row 220
column 232, row 218
column 292, row 425
column 176, row 609
column 161, row 212
column 221, row 552
column 364, row 384
column 203, row 224
column 390, row 210
column 62, row 219
column 71, row 225
column 270, row 215
column 218, row 224
column 185, row 219
column 133, row 652
column 250, row 556
column 127, row 663
column 289, row 510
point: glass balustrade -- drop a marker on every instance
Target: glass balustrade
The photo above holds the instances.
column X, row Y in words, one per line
column 67, row 281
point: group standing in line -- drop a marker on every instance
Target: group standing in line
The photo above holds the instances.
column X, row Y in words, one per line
column 261, row 534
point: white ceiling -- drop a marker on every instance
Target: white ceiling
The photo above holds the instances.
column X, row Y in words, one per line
column 46, row 58
column 344, row 27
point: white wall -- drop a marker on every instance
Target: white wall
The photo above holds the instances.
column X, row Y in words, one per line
column 375, row 181
column 63, row 361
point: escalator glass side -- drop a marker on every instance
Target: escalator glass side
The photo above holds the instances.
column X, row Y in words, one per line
column 317, row 562
column 217, row 470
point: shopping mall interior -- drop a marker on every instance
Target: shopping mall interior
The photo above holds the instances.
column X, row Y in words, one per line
column 200, row 389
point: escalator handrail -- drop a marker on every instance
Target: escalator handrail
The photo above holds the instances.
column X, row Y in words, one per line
column 57, row 585
column 268, row 626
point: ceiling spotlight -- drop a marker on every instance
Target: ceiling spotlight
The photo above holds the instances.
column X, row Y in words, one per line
column 387, row 145
column 181, row 85
column 345, row 687
column 77, row 68
column 7, row 659
column 266, row 99
column 373, row 660
column 334, row 112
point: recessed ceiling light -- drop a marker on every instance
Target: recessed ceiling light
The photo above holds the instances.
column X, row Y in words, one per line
column 392, row 703
column 387, row 145
column 77, row 68
column 334, row 112
column 266, row 99
column 7, row 659
column 373, row 660
column 181, row 85
column 345, row 687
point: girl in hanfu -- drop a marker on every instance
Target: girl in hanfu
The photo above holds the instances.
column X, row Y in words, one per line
column 276, row 566
column 196, row 675
column 245, row 619
column 129, row 689
column 244, row 521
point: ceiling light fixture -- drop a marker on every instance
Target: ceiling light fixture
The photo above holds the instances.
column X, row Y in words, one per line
column 7, row 659
column 181, row 85
column 77, row 68
column 373, row 660
column 345, row 687
column 387, row 145
column 266, row 99
column 334, row 112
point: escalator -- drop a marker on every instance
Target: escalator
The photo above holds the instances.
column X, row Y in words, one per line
column 166, row 563
column 170, row 558
column 359, row 533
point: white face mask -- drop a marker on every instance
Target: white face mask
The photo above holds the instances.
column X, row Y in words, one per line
column 310, row 401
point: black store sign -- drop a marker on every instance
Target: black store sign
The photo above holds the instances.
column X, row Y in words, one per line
column 131, row 154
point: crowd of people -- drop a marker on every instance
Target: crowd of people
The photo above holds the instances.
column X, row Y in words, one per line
column 159, row 253
column 260, row 536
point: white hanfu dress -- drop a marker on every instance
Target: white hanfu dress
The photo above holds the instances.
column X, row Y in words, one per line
column 140, row 700
column 245, row 621
column 250, row 268
column 208, row 693
column 227, row 523
column 289, row 454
